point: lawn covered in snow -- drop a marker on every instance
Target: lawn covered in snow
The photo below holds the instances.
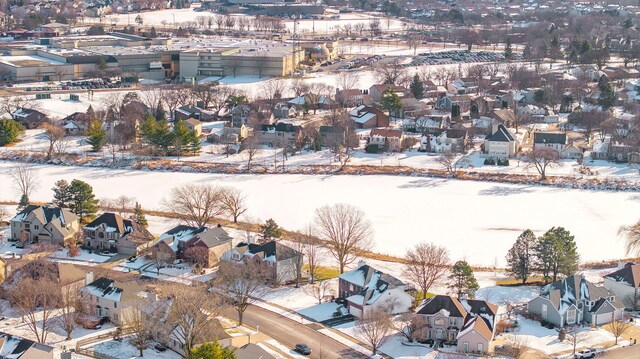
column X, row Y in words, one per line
column 476, row 221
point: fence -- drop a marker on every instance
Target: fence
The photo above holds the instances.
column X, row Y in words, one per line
column 98, row 338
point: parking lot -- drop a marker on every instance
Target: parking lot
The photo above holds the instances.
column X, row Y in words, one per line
column 458, row 56
column 83, row 85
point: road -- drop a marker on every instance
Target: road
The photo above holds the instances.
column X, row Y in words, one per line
column 289, row 333
column 632, row 352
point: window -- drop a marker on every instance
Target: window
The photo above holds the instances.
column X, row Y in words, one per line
column 465, row 347
column 480, row 347
column 438, row 321
column 115, row 305
column 544, row 311
column 571, row 316
column 452, row 322
column 36, row 227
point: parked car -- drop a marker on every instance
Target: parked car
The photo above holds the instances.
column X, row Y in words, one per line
column 160, row 347
column 586, row 353
column 303, row 349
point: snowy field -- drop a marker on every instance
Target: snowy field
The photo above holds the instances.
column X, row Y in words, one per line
column 477, row 221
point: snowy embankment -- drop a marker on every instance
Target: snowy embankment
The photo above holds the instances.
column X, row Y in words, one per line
column 477, row 221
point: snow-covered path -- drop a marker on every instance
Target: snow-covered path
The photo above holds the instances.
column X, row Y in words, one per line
column 476, row 220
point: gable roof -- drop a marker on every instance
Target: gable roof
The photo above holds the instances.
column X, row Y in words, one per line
column 386, row 132
column 439, row 302
column 112, row 290
column 505, row 115
column 549, row 137
column 12, row 346
column 252, row 351
column 270, row 250
column 477, row 324
column 47, row 215
column 115, row 223
column 502, row 134
column 373, row 282
column 569, row 291
column 629, row 275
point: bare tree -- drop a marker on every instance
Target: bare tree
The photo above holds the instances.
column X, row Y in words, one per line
column 575, row 337
column 234, row 202
column 518, row 346
column 160, row 259
column 60, row 72
column 299, row 86
column 198, row 256
column 4, row 214
column 451, row 163
column 410, row 326
column 312, row 251
column 25, row 177
column 345, row 230
column 632, row 234
column 347, row 80
column 243, row 282
column 250, row 147
column 53, row 134
column 71, row 309
column 138, row 324
column 320, row 289
column 541, row 159
column 618, row 328
column 426, row 263
column 195, row 204
column 36, row 301
column 120, row 205
column 389, row 73
column 374, row 327
column 192, row 311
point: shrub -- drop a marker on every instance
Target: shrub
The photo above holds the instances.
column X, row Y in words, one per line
column 489, row 161
column 503, row 162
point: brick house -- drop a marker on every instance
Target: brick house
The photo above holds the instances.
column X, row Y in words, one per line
column 368, row 117
column 389, row 139
column 211, row 243
column 29, row 118
column 279, row 259
column 110, row 232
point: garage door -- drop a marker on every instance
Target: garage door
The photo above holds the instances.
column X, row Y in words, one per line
column 603, row 318
column 356, row 312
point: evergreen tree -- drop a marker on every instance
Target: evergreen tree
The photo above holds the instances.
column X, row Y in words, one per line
column 508, row 51
column 417, row 87
column 270, row 230
column 139, row 216
column 152, row 32
column 180, row 138
column 608, row 95
column 96, row 136
column 462, row 280
column 390, row 101
column 24, row 202
column 91, row 114
column 628, row 23
column 9, row 131
column 61, row 194
column 83, row 202
column 520, row 258
column 211, row 350
column 556, row 254
column 160, row 114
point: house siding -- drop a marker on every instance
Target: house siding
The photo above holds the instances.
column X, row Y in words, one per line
column 624, row 292
column 553, row 317
column 473, row 338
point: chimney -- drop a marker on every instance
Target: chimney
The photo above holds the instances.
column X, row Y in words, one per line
column 88, row 278
column 361, row 263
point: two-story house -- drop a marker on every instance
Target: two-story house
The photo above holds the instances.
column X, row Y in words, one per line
column 445, row 141
column 368, row 117
column 366, row 288
column 501, row 143
column 549, row 140
column 112, row 299
column 387, row 139
column 189, row 111
column 110, row 232
column 625, row 284
column 15, row 347
column 469, row 323
column 29, row 117
column 575, row 300
column 44, row 224
column 277, row 258
column 205, row 245
column 281, row 135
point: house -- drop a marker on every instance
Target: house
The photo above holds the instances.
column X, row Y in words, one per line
column 484, row 125
column 368, row 117
column 309, row 102
column 432, row 122
column 282, row 111
column 75, row 124
column 16, row 347
column 280, row 135
column 209, row 244
column 376, row 91
column 279, row 259
column 165, row 331
column 194, row 126
column 108, row 298
column 67, row 277
column 252, row 351
column 44, row 224
column 387, row 139
column 330, row 136
column 29, row 118
column 531, row 110
column 110, row 232
column 506, row 116
column 575, row 300
column 571, row 151
column 501, row 143
column 619, row 151
column 353, row 97
column 239, row 115
column 470, row 323
column 445, row 141
column 549, row 140
column 190, row 111
column 625, row 284
column 463, row 86
column 366, row 288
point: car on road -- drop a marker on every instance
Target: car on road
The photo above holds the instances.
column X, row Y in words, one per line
column 585, row 353
column 303, row 349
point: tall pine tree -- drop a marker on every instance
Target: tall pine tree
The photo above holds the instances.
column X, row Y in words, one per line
column 61, row 194
column 138, row 215
column 83, row 202
column 462, row 281
column 520, row 258
column 417, row 87
column 557, row 254
column 96, row 136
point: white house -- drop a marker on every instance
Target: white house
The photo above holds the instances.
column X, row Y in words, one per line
column 108, row 298
column 549, row 140
column 625, row 283
column 501, row 143
column 366, row 288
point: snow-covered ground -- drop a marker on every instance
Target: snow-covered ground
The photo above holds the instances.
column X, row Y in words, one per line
column 123, row 349
column 477, row 221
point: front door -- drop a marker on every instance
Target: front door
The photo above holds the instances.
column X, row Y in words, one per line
column 480, row 347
